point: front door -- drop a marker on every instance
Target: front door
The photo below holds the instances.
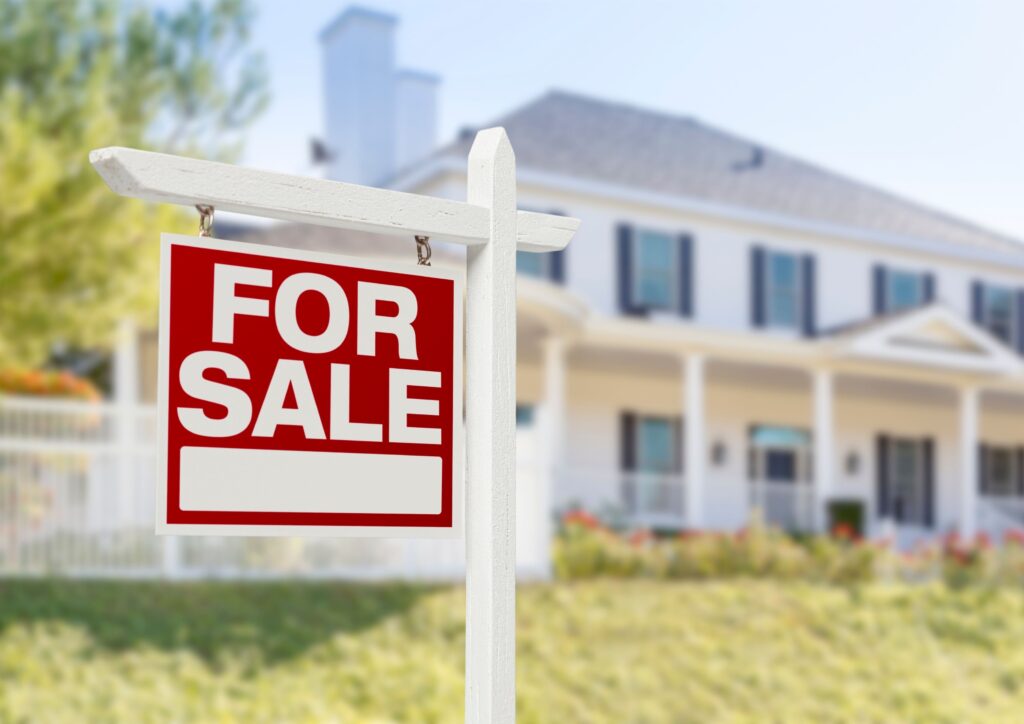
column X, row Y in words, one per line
column 780, row 476
column 906, row 488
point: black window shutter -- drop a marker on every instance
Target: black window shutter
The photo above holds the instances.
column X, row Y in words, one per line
column 558, row 266
column 625, row 259
column 1020, row 321
column 983, row 485
column 882, row 461
column 878, row 289
column 751, row 454
column 686, row 276
column 810, row 323
column 1020, row 471
column 928, row 282
column 757, row 260
column 627, row 441
column 977, row 297
column 927, row 453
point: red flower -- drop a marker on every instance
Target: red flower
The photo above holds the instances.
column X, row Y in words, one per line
column 581, row 518
column 843, row 531
column 983, row 541
column 1014, row 536
column 951, row 541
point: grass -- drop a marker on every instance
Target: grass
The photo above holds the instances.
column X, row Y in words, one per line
column 616, row 651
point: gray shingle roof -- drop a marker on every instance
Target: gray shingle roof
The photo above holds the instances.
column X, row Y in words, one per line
column 609, row 142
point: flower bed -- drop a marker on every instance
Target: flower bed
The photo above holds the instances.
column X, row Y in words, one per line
column 586, row 548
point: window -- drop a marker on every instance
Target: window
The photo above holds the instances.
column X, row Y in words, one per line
column 997, row 311
column 656, row 444
column 999, row 471
column 655, row 270
column 782, row 290
column 907, row 485
column 533, row 265
column 903, row 290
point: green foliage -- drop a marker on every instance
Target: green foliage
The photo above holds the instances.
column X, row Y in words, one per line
column 81, row 75
column 592, row 651
column 585, row 549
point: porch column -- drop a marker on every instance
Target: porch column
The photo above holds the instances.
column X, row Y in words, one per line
column 693, row 440
column 823, row 450
column 968, row 461
column 553, row 444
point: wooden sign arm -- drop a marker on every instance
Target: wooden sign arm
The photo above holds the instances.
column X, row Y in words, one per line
column 171, row 179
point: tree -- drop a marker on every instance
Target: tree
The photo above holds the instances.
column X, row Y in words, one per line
column 74, row 257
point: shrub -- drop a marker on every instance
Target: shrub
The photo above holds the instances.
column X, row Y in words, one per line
column 586, row 549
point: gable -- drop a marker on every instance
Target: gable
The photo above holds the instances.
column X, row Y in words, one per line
column 932, row 336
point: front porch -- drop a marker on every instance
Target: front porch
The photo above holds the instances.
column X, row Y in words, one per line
column 669, row 427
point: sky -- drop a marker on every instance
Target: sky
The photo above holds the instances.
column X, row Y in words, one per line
column 925, row 99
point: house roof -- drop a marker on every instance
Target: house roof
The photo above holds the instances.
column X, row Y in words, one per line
column 594, row 139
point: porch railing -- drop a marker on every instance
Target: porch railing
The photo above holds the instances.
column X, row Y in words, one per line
column 999, row 514
column 789, row 506
column 652, row 500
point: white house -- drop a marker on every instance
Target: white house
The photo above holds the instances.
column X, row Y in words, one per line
column 733, row 328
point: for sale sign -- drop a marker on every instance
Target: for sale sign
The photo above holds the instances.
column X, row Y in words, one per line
column 304, row 393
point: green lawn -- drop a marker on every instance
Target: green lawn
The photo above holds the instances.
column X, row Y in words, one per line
column 588, row 652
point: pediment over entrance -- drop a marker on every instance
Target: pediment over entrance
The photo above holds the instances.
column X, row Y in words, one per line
column 933, row 336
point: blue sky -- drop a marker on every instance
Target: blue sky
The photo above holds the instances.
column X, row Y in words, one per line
column 922, row 98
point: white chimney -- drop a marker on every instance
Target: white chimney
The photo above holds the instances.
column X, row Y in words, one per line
column 416, row 116
column 378, row 120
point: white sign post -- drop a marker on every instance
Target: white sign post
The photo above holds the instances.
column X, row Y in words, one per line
column 489, row 224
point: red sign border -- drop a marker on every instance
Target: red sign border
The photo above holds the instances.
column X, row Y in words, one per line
column 457, row 276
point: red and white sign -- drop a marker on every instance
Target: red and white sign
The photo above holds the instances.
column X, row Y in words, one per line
column 305, row 393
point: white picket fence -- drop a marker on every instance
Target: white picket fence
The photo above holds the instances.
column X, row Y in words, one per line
column 77, row 483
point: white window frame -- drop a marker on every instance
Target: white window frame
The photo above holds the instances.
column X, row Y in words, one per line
column 890, row 275
column 986, row 321
column 635, row 286
column 769, row 290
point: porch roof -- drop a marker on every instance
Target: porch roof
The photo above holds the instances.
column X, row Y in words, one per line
column 929, row 343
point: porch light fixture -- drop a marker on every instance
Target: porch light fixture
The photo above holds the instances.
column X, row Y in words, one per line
column 852, row 464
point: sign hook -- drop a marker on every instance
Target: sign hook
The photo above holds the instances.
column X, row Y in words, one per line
column 205, row 219
column 423, row 251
